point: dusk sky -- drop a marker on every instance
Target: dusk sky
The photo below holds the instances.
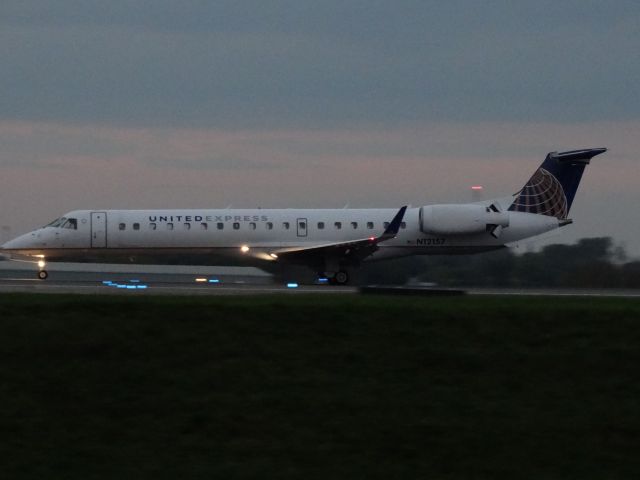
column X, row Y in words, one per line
column 206, row 104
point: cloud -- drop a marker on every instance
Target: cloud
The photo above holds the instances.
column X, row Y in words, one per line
column 429, row 162
column 318, row 64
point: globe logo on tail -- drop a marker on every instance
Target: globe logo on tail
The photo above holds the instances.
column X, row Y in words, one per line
column 542, row 195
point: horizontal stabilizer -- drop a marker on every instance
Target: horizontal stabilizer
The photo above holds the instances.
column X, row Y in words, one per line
column 577, row 156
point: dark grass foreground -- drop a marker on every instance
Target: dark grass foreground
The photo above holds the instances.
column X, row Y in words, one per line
column 318, row 387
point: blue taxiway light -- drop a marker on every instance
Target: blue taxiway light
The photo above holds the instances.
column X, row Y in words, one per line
column 323, row 280
column 214, row 280
column 292, row 285
column 132, row 286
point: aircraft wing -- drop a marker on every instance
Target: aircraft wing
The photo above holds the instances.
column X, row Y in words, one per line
column 354, row 249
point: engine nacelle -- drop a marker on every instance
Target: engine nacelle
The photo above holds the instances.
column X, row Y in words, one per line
column 462, row 219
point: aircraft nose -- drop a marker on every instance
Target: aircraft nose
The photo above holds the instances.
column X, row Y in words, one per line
column 23, row 241
column 10, row 245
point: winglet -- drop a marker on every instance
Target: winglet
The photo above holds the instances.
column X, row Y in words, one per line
column 392, row 230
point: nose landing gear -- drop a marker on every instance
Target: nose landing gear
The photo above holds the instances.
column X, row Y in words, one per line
column 42, row 273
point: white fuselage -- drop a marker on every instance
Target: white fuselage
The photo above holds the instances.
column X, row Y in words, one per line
column 251, row 236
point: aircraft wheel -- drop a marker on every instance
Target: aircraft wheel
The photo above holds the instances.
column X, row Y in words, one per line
column 43, row 274
column 341, row 278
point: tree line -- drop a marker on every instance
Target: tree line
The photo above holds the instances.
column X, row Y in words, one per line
column 589, row 263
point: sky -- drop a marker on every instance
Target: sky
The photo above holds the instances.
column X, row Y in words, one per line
column 201, row 104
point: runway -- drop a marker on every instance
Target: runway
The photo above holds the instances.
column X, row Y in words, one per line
column 150, row 280
column 140, row 280
column 92, row 288
column 139, row 287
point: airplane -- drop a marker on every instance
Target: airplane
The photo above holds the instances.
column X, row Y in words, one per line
column 332, row 242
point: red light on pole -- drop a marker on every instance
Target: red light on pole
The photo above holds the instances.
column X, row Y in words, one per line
column 477, row 192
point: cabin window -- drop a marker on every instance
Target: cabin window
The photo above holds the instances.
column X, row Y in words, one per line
column 252, row 225
column 204, row 226
column 136, row 226
column 269, row 225
column 152, row 226
column 302, row 225
column 320, row 225
column 370, row 225
column 285, row 225
column 354, row 225
column 187, row 226
column 236, row 225
column 403, row 224
column 121, row 226
column 169, row 226
column 220, row 226
column 385, row 225
column 338, row 225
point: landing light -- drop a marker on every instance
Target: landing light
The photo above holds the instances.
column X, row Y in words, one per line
column 273, row 255
column 201, row 279
column 41, row 264
column 244, row 248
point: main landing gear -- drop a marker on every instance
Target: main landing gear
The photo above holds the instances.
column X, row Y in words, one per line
column 341, row 278
column 335, row 278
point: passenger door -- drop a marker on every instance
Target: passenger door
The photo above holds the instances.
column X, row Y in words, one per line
column 98, row 229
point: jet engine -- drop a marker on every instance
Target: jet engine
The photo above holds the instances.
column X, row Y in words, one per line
column 463, row 219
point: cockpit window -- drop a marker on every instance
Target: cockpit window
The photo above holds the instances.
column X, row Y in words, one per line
column 57, row 222
column 64, row 222
column 71, row 224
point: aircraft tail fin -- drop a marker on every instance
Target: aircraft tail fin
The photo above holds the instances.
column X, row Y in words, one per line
column 553, row 186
